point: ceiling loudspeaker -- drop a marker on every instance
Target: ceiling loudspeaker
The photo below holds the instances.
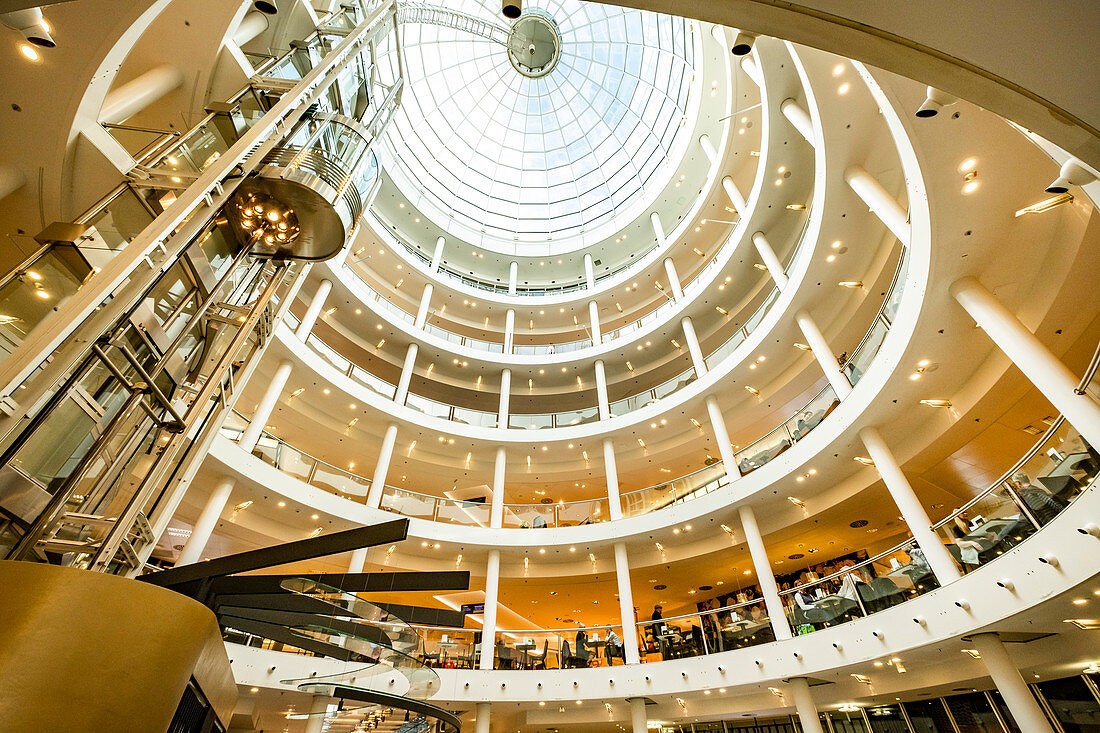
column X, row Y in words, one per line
column 267, row 7
column 31, row 24
column 742, row 43
column 512, row 8
column 934, row 101
column 1072, row 173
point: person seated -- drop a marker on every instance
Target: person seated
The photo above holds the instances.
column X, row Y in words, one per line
column 581, row 648
column 613, row 647
column 1042, row 505
column 756, row 613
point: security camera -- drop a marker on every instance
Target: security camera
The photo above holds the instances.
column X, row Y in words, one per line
column 511, row 8
column 31, row 24
column 742, row 43
column 1090, row 529
column 1006, row 584
column 963, row 604
column 267, row 7
column 1071, row 174
column 919, row 621
column 934, row 102
column 876, row 634
column 1050, row 560
column 837, row 646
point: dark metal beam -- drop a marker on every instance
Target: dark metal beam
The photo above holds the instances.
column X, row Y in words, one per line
column 282, row 634
column 348, row 582
column 267, row 557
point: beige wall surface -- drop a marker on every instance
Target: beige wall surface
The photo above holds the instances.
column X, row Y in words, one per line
column 84, row 651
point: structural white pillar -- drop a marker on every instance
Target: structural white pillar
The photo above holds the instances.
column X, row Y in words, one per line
column 825, row 357
column 1025, row 709
column 481, row 717
column 509, row 330
column 251, row 434
column 489, row 628
column 358, row 560
column 315, row 723
column 425, row 304
column 804, row 704
column 882, row 204
column 734, row 194
column 496, row 511
column 799, row 119
column 382, row 467
column 589, row 271
column 505, row 396
column 775, row 269
column 207, row 521
column 764, row 576
column 722, row 437
column 437, row 255
column 513, row 277
column 601, row 390
column 939, row 559
column 638, row 721
column 614, row 503
column 692, row 340
column 1053, row 378
column 708, row 148
column 128, row 99
column 313, row 311
column 252, row 24
column 406, row 375
column 674, row 279
column 626, row 604
column 748, row 65
column 594, row 323
column 658, row 229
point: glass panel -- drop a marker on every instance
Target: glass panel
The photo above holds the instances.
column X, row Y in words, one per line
column 855, row 367
column 408, row 503
column 35, row 293
column 1050, row 479
column 735, row 626
column 1072, row 704
column 929, row 716
column 887, row 719
column 763, row 450
column 530, row 422
column 812, row 414
column 973, row 713
column 988, row 527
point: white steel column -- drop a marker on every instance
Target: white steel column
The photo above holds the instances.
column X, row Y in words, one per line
column 764, row 576
column 437, row 256
column 799, row 119
column 674, row 279
column 939, row 559
column 207, row 521
column 626, row 604
column 505, row 395
column 638, row 721
column 594, row 322
column 425, row 303
column 775, row 269
column 382, row 467
column 825, row 357
column 748, row 65
column 406, row 375
column 513, row 277
column 734, row 194
column 804, row 704
column 614, row 503
column 601, row 390
column 881, row 204
column 481, row 717
column 251, row 434
column 722, row 437
column 315, row 723
column 509, row 330
column 708, row 148
column 489, row 627
column 127, row 100
column 1057, row 383
column 696, row 352
column 496, row 510
column 252, row 24
column 1029, row 716
column 589, row 271
column 358, row 560
column 309, row 318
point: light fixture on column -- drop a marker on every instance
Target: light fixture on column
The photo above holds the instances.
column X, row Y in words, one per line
column 511, row 8
column 742, row 43
column 934, row 102
column 31, row 24
column 1072, row 173
column 267, row 7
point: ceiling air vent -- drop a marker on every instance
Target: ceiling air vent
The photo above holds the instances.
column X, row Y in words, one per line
column 1033, row 430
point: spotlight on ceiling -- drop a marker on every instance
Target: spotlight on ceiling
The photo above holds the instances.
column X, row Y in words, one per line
column 511, row 8
column 1073, row 173
column 31, row 24
column 934, row 102
column 267, row 7
column 742, row 43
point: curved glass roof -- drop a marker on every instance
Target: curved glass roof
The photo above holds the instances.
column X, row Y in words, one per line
column 491, row 154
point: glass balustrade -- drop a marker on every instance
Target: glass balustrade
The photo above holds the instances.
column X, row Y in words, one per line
column 685, row 488
column 570, row 648
column 738, row 626
column 642, row 399
column 449, row 648
column 858, row 589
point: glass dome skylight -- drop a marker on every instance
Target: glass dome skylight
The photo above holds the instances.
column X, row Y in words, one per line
column 508, row 155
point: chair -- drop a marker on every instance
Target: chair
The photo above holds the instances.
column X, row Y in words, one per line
column 573, row 660
column 538, row 661
column 886, row 592
column 504, row 656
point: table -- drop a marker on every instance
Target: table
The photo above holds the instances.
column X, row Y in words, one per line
column 594, row 647
column 523, row 648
